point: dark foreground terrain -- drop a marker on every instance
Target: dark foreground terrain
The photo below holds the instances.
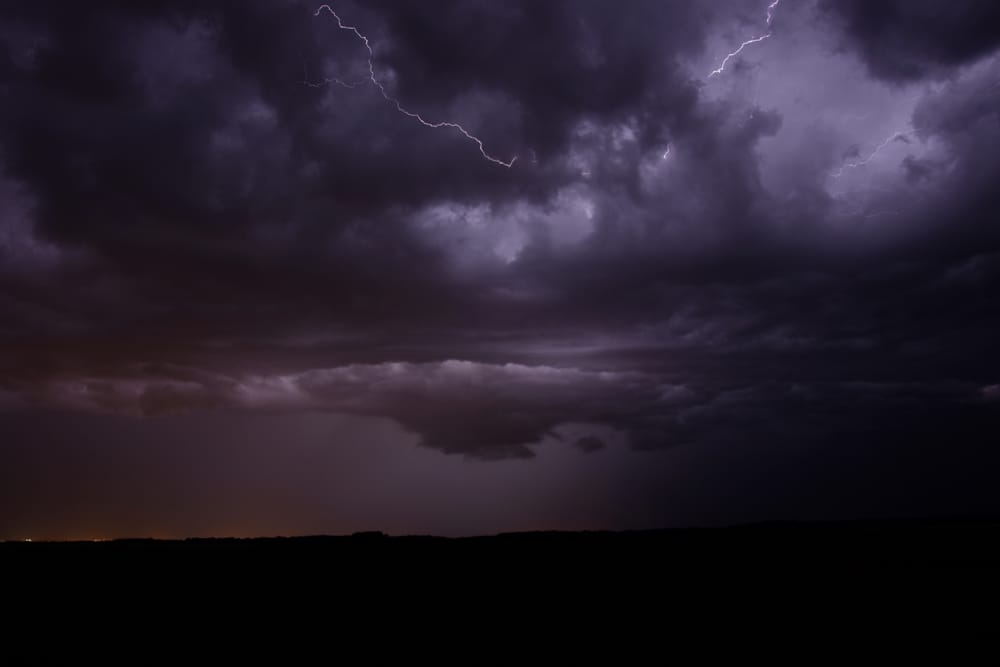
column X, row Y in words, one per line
column 882, row 544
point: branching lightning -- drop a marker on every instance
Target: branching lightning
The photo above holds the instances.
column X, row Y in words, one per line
column 306, row 81
column 389, row 98
column 340, row 82
column 754, row 40
column 722, row 67
column 897, row 136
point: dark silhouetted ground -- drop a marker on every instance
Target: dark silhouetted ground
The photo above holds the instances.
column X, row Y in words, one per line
column 883, row 544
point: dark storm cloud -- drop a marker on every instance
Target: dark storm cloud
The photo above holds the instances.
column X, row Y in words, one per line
column 156, row 101
column 168, row 135
column 190, row 225
column 908, row 39
column 173, row 135
column 558, row 60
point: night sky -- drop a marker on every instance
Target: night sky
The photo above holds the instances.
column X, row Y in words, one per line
column 467, row 266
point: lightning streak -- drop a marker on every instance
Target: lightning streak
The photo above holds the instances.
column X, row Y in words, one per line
column 394, row 101
column 754, row 40
column 770, row 10
column 898, row 136
column 722, row 67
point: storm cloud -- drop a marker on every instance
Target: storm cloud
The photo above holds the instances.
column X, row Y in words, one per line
column 907, row 40
column 211, row 207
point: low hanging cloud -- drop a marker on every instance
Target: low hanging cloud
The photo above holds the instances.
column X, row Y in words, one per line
column 478, row 409
column 493, row 411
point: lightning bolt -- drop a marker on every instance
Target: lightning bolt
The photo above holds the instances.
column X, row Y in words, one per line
column 399, row 107
column 770, row 11
column 754, row 40
column 722, row 67
column 898, row 136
